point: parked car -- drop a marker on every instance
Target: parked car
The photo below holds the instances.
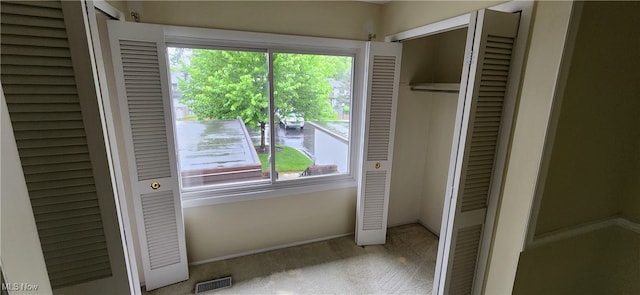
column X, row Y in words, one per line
column 293, row 120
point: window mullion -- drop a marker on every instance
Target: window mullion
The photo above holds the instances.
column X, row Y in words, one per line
column 272, row 127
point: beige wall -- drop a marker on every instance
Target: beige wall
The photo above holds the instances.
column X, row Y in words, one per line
column 626, row 41
column 442, row 118
column 398, row 16
column 120, row 5
column 449, row 57
column 593, row 171
column 586, row 264
column 408, row 156
column 412, row 123
column 631, row 202
column 594, row 159
column 22, row 258
column 424, row 129
column 227, row 229
column 336, row 19
column 428, row 119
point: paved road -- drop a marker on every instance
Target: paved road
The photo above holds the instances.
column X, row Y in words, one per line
column 296, row 138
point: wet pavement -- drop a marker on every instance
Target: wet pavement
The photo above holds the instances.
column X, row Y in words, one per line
column 222, row 143
column 300, row 139
column 213, row 144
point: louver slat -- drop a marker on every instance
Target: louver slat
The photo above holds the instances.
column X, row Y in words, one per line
column 381, row 107
column 141, row 110
column 374, row 199
column 464, row 261
column 63, row 199
column 39, row 84
column 487, row 121
column 161, row 228
column 34, row 41
column 32, row 21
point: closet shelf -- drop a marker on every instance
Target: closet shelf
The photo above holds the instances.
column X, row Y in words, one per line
column 436, row 87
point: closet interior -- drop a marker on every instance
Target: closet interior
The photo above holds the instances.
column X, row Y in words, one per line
column 430, row 81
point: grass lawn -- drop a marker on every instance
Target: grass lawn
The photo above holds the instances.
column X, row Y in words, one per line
column 287, row 159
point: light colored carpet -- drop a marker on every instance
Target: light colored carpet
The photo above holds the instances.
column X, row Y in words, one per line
column 404, row 265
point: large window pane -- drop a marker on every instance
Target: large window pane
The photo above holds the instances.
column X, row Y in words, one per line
column 312, row 97
column 220, row 100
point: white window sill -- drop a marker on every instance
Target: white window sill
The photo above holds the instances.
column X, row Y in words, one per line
column 222, row 196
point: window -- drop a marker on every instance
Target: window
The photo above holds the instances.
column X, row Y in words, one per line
column 240, row 129
column 220, row 100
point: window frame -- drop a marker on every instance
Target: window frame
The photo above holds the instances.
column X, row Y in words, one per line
column 203, row 38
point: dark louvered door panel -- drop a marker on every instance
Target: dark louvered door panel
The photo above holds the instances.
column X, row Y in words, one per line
column 40, row 89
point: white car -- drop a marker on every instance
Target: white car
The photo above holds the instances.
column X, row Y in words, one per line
column 293, row 121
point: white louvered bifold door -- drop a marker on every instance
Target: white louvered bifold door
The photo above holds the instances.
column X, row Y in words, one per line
column 139, row 56
column 381, row 96
column 484, row 128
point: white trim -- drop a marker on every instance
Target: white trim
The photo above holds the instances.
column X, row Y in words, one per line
column 275, row 42
column 267, row 249
column 283, row 246
column 105, row 7
column 513, row 6
column 215, row 197
column 442, row 26
column 556, row 106
column 576, row 230
column 273, row 172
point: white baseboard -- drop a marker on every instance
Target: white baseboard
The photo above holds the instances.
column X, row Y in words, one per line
column 584, row 228
column 628, row 224
column 240, row 254
column 269, row 249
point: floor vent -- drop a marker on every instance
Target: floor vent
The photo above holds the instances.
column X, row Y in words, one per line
column 217, row 284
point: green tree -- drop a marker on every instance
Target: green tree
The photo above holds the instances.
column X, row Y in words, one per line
column 223, row 84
